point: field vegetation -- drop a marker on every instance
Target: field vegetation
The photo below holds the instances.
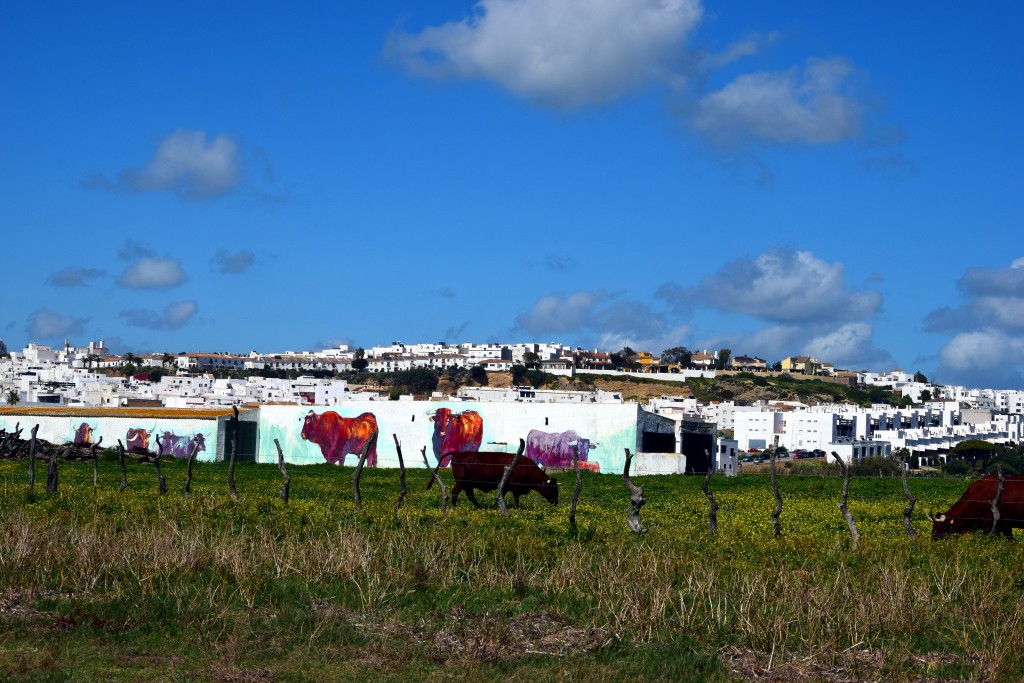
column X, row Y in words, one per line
column 97, row 584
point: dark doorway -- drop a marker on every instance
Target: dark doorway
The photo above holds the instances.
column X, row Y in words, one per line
column 655, row 442
column 696, row 447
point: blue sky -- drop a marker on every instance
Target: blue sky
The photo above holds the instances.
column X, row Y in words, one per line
column 779, row 178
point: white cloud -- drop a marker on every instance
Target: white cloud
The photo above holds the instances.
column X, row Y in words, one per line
column 184, row 163
column 781, row 285
column 557, row 313
column 173, row 317
column 565, row 53
column 806, row 105
column 153, row 273
column 46, row 324
column 73, row 276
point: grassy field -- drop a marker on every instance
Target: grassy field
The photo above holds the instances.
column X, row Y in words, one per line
column 134, row 586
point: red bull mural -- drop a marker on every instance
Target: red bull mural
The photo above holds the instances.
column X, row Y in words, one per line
column 339, row 436
column 456, row 433
column 83, row 435
column 137, row 440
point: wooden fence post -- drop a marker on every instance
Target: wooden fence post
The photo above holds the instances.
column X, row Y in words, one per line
column 636, row 498
column 842, row 501
column 776, row 525
column 234, row 453
column 401, row 473
column 359, row 471
column 505, row 475
column 435, row 477
column 706, row 486
column 124, row 469
column 95, row 464
column 193, row 451
column 284, row 472
column 909, row 510
column 579, row 485
column 161, row 484
column 32, row 462
column 994, row 504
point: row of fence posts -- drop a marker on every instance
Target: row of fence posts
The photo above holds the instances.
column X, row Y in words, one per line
column 637, row 500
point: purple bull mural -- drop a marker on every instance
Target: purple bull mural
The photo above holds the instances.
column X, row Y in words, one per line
column 554, row 449
column 181, row 446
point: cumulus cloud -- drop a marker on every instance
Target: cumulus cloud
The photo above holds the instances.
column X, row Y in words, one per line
column 183, row 163
column 782, row 285
column 233, row 262
column 174, row 316
column 561, row 53
column 600, row 317
column 74, row 276
column 809, row 104
column 152, row 273
column 987, row 344
column 47, row 324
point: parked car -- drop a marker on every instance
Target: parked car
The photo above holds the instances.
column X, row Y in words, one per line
column 798, row 456
column 817, row 453
column 754, row 450
column 749, row 458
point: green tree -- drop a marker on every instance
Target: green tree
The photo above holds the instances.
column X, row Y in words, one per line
column 925, row 396
column 359, row 363
column 518, row 374
column 677, row 355
column 919, row 377
column 531, row 360
column 976, row 452
column 723, row 358
column 167, row 360
column 12, row 398
column 478, row 375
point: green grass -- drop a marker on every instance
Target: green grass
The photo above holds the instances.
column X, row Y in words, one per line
column 136, row 586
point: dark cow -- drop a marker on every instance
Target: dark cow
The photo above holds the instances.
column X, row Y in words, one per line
column 338, row 436
column 456, row 433
column 137, row 440
column 83, row 435
column 181, row 446
column 483, row 471
column 554, row 449
column 973, row 512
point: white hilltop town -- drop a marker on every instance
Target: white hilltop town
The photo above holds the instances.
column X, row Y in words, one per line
column 934, row 419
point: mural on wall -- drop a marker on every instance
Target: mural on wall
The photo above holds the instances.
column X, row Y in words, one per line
column 455, row 433
column 136, row 440
column 83, row 435
column 554, row 449
column 339, row 436
column 181, row 446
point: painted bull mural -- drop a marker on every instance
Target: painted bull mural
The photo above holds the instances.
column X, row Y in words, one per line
column 456, row 433
column 83, row 435
column 339, row 436
column 973, row 512
column 554, row 449
column 181, row 446
column 137, row 440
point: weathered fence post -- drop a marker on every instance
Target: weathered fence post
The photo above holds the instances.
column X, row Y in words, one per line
column 234, row 453
column 192, row 452
column 909, row 510
column 506, row 474
column 435, row 477
column 32, row 462
column 994, row 504
column 95, row 465
column 579, row 485
column 284, row 472
column 636, row 497
column 161, row 484
column 359, row 471
column 842, row 501
column 706, row 486
column 776, row 525
column 51, row 471
column 124, row 469
column 401, row 473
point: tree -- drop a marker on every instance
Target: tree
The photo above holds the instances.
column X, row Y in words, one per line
column 723, row 358
column 925, row 396
column 12, row 398
column 777, row 366
column 167, row 359
column 130, row 364
column 919, row 377
column 360, row 362
column 975, row 451
column 625, row 359
column 478, row 375
column 518, row 374
column 531, row 360
column 677, row 355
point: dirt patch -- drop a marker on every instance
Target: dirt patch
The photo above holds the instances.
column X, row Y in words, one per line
column 854, row 665
column 231, row 675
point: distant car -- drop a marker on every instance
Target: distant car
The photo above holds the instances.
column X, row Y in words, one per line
column 749, row 458
column 799, row 451
column 817, row 453
column 754, row 450
column 759, row 461
column 798, row 456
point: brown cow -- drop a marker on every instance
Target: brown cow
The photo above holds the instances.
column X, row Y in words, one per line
column 973, row 512
column 338, row 436
column 483, row 471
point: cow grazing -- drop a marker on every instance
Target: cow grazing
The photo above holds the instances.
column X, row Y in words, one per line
column 338, row 436
column 973, row 512
column 181, row 446
column 555, row 449
column 83, row 435
column 456, row 433
column 483, row 471
column 137, row 440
